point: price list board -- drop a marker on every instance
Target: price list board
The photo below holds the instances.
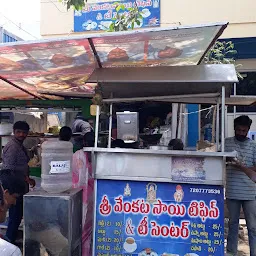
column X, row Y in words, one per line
column 149, row 218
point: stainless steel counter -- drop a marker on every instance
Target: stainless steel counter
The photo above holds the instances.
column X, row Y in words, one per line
column 160, row 165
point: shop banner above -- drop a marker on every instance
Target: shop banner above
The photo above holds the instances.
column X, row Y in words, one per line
column 62, row 66
column 99, row 16
column 8, row 92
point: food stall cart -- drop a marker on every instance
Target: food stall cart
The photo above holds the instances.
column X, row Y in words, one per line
column 160, row 202
column 147, row 202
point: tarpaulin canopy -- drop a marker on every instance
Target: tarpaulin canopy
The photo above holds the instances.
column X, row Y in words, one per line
column 62, row 66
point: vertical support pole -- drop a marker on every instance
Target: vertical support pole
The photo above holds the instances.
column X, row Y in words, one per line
column 185, row 128
column 226, row 122
column 110, row 125
column 223, row 113
column 218, row 126
column 174, row 119
column 234, row 95
column 199, row 124
column 97, row 126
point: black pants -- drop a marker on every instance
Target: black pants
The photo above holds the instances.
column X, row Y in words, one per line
column 15, row 217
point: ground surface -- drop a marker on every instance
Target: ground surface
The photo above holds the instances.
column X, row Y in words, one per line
column 243, row 247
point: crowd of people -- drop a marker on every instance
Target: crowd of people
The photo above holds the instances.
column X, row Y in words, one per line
column 15, row 181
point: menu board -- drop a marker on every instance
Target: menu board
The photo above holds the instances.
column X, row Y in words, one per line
column 167, row 219
column 188, row 169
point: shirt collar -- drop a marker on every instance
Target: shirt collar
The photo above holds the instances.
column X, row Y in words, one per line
column 17, row 141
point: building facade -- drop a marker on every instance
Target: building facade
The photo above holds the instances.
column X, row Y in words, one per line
column 56, row 21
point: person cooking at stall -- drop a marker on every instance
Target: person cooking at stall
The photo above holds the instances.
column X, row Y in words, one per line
column 82, row 177
column 80, row 125
column 15, row 158
column 176, row 144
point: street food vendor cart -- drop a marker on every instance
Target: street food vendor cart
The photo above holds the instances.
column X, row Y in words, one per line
column 147, row 202
column 160, row 202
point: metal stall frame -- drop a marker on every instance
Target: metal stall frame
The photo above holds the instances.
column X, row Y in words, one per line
column 209, row 84
column 201, row 84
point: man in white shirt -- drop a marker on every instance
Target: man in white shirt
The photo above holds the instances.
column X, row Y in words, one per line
column 240, row 185
column 10, row 190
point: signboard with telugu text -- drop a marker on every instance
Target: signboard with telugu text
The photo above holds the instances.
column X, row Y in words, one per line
column 158, row 219
column 99, row 16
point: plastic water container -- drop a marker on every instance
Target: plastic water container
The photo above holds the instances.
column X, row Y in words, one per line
column 56, row 166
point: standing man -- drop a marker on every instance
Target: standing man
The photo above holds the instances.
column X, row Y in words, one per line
column 80, row 125
column 10, row 190
column 15, row 159
column 240, row 189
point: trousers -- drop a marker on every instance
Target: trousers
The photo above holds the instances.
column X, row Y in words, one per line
column 15, row 217
column 249, row 209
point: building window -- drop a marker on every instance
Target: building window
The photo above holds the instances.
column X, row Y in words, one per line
column 246, row 87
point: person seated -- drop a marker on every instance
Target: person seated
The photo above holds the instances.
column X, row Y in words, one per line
column 10, row 189
column 118, row 143
column 176, row 144
column 65, row 133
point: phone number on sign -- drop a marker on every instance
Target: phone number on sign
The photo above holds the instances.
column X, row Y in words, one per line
column 205, row 190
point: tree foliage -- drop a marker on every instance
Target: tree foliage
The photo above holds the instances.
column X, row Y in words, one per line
column 76, row 4
column 125, row 18
column 222, row 52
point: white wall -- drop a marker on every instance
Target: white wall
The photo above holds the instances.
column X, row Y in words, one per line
column 56, row 21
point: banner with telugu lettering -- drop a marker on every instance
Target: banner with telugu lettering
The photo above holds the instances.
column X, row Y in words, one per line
column 98, row 16
column 158, row 219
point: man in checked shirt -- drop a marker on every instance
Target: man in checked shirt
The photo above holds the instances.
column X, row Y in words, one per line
column 15, row 158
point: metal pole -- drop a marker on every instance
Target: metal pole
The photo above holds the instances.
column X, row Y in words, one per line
column 226, row 122
column 234, row 95
column 172, row 98
column 97, row 126
column 223, row 119
column 199, row 123
column 218, row 126
column 174, row 119
column 110, row 125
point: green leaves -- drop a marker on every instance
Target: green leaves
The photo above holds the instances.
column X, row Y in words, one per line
column 222, row 53
column 76, row 4
column 120, row 7
column 126, row 19
column 112, row 27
